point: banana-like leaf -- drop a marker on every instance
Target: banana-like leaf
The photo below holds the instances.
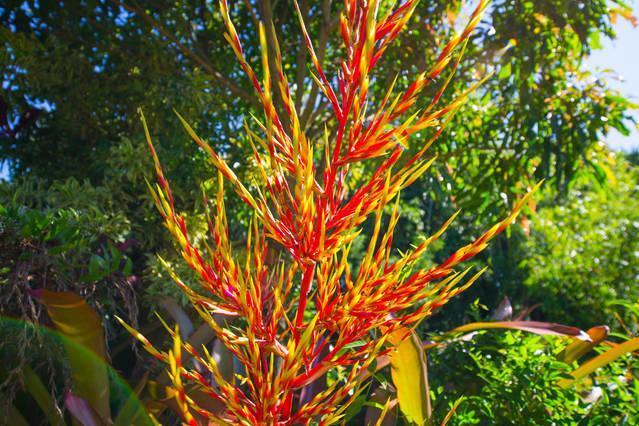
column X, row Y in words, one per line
column 579, row 348
column 601, row 361
column 410, row 376
column 84, row 345
column 537, row 327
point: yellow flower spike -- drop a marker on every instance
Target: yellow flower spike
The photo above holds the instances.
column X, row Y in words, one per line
column 221, row 166
column 148, row 346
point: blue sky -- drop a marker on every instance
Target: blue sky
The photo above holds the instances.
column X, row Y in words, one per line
column 622, row 56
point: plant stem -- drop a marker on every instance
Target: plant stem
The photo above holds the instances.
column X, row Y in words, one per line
column 307, row 280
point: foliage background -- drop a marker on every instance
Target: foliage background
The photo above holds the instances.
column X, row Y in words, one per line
column 76, row 213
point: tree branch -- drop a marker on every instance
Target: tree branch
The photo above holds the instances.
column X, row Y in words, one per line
column 327, row 26
column 211, row 70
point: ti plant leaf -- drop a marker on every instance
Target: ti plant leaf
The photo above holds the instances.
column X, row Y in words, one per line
column 84, row 344
column 579, row 348
column 410, row 376
column 600, row 361
column 537, row 327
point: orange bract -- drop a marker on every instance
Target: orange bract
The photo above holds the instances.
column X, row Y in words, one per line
column 283, row 344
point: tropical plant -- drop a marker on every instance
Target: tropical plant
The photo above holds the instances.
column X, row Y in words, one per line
column 291, row 309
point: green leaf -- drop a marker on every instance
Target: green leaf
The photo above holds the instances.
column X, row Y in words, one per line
column 15, row 418
column 133, row 411
column 128, row 268
column 84, row 345
column 410, row 376
column 505, row 71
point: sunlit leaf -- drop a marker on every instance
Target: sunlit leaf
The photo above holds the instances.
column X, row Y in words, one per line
column 579, row 348
column 410, row 376
column 601, row 361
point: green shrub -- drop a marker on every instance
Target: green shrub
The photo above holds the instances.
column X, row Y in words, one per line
column 583, row 250
column 510, row 378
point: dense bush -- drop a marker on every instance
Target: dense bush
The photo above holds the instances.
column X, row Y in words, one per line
column 510, row 378
column 583, row 249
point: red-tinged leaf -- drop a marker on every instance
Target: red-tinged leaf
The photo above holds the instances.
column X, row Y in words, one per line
column 523, row 314
column 579, row 348
column 410, row 376
column 601, row 361
column 537, row 327
column 82, row 411
column 84, row 345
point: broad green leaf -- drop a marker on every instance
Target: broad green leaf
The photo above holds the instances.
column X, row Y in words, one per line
column 579, row 348
column 133, row 411
column 410, row 376
column 601, row 361
column 505, row 71
column 84, row 345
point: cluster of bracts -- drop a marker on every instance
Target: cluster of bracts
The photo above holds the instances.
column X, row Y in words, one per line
column 293, row 322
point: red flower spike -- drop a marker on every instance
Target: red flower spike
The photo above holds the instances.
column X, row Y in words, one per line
column 304, row 314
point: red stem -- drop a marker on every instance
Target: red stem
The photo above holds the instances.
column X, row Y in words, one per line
column 307, row 280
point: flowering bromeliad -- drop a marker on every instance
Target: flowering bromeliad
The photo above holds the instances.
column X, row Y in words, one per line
column 292, row 323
